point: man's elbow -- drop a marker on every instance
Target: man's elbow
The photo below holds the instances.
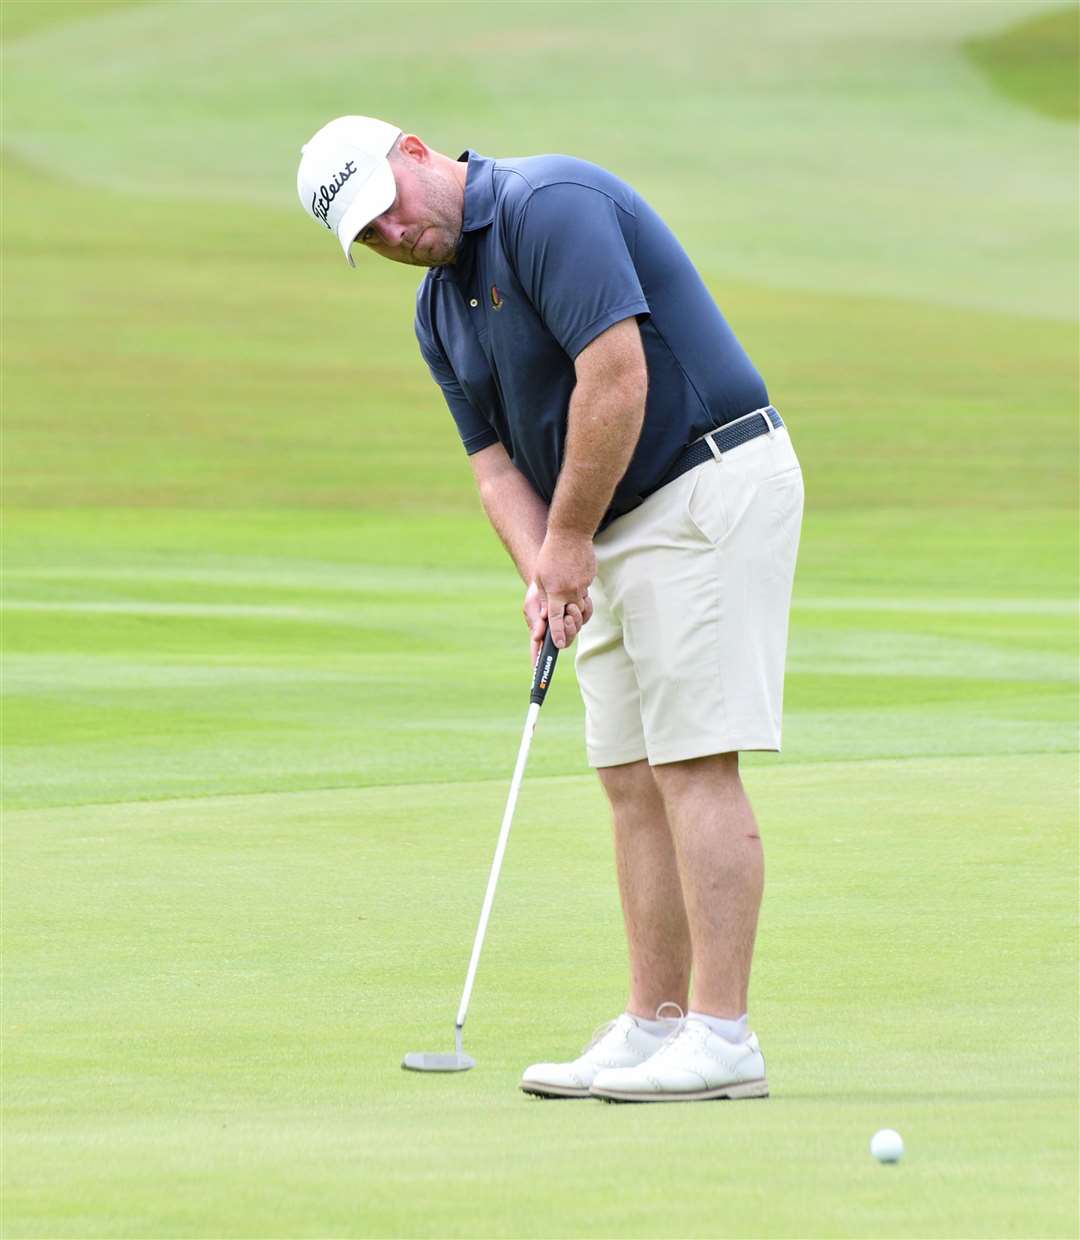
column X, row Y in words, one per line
column 626, row 384
column 490, row 467
column 635, row 384
column 627, row 387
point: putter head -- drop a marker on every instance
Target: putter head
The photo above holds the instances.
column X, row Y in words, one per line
column 432, row 1061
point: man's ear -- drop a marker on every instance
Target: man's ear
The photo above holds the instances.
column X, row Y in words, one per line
column 414, row 148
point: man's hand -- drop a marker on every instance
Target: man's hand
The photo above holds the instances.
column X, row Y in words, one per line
column 564, row 569
column 533, row 611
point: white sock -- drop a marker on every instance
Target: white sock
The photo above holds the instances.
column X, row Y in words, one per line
column 658, row 1028
column 729, row 1030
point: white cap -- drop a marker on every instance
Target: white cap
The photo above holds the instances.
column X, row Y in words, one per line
column 345, row 179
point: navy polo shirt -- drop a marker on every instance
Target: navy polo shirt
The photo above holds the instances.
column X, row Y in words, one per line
column 554, row 251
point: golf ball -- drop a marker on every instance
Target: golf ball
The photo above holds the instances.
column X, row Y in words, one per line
column 887, row 1145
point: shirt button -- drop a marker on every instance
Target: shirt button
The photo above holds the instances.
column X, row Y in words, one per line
column 473, row 302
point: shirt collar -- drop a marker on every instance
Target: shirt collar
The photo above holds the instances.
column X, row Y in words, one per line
column 479, row 191
column 478, row 213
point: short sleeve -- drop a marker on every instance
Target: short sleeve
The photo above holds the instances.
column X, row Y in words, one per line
column 574, row 263
column 475, row 431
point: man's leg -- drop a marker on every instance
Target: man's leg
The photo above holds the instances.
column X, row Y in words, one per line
column 657, row 934
column 721, row 868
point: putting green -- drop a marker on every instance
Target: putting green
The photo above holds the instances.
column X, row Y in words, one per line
column 213, row 996
column 264, row 675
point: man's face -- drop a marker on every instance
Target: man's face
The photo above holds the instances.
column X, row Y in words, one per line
column 423, row 224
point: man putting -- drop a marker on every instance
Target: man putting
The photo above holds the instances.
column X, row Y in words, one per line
column 627, row 455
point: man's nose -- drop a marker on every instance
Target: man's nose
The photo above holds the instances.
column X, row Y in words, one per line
column 389, row 233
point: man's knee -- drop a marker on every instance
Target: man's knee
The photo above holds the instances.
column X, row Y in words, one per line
column 629, row 784
column 716, row 768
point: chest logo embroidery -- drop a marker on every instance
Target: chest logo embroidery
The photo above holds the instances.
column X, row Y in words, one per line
column 496, row 299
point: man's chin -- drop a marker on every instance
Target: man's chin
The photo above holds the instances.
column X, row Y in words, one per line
column 439, row 256
column 428, row 260
column 419, row 260
column 425, row 256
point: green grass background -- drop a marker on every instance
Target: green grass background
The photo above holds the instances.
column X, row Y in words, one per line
column 264, row 674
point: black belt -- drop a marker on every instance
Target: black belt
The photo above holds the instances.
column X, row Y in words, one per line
column 733, row 435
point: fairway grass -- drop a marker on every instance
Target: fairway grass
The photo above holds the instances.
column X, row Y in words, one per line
column 220, row 943
column 265, row 675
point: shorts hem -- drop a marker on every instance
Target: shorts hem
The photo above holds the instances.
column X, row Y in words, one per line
column 677, row 751
column 615, row 757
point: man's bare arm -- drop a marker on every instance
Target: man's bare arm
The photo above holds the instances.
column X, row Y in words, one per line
column 604, row 421
column 518, row 515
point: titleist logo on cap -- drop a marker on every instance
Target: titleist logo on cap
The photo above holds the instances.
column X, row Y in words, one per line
column 324, row 196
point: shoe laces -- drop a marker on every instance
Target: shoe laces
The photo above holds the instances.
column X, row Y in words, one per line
column 676, row 1032
column 599, row 1034
column 601, row 1031
column 682, row 1029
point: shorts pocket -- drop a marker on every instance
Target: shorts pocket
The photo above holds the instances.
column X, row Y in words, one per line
column 785, row 491
column 705, row 507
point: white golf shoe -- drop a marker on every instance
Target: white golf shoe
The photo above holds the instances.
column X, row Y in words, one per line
column 622, row 1043
column 693, row 1064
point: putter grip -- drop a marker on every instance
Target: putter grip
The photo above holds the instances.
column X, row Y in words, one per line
column 544, row 669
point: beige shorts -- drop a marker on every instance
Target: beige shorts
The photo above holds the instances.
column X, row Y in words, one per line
column 684, row 654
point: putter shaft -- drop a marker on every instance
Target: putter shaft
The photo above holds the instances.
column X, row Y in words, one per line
column 496, row 865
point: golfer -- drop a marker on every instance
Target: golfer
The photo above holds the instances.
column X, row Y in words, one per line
column 627, row 454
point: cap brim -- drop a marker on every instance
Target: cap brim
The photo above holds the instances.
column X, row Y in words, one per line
column 373, row 198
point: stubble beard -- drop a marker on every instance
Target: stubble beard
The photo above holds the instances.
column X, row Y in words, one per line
column 452, row 253
column 447, row 209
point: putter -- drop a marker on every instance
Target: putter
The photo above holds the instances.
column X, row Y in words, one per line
column 457, row 1060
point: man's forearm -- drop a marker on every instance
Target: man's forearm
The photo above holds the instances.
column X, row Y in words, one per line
column 519, row 517
column 603, row 425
